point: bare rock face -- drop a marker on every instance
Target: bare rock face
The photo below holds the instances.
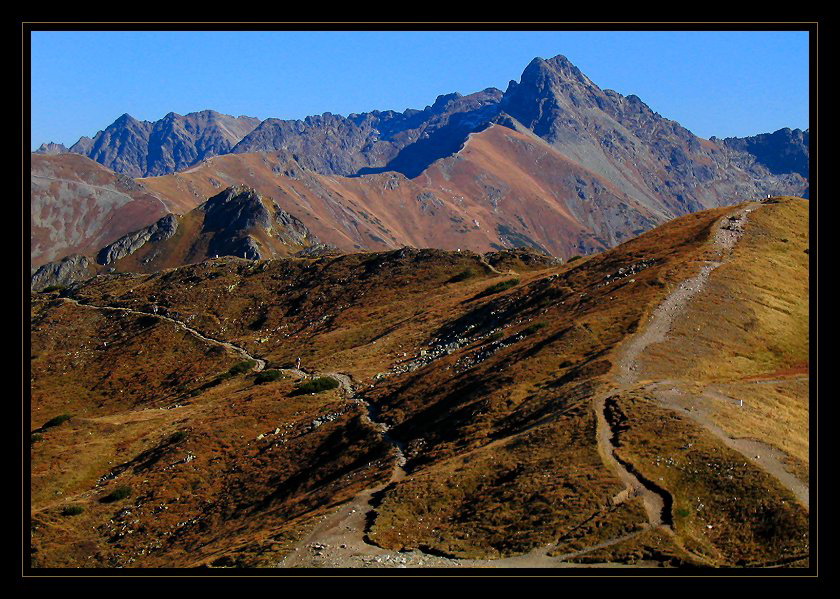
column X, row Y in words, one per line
column 230, row 217
column 62, row 273
column 159, row 231
column 233, row 218
column 653, row 160
column 376, row 141
column 142, row 148
column 51, row 148
column 783, row 152
column 235, row 209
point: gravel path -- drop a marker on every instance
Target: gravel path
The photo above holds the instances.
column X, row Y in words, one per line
column 654, row 498
column 260, row 364
column 764, row 456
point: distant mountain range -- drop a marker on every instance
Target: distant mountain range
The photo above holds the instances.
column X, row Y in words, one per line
column 554, row 163
column 784, row 151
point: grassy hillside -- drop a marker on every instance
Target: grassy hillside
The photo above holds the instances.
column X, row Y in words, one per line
column 471, row 410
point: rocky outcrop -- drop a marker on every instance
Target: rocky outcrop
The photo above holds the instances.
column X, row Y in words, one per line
column 159, row 231
column 143, row 148
column 375, row 141
column 236, row 208
column 62, row 273
column 233, row 217
column 51, row 148
column 782, row 152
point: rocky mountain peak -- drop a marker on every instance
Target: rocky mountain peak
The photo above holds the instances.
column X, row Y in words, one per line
column 236, row 208
column 555, row 70
column 51, row 148
column 125, row 120
column 442, row 101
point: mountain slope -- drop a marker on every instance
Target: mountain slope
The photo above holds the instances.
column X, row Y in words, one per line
column 513, row 421
column 77, row 206
column 502, row 189
column 654, row 160
column 580, row 170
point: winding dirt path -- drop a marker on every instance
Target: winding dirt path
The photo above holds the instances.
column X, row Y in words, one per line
column 765, row 456
column 729, row 231
column 656, row 500
column 259, row 364
column 340, row 538
column 652, row 497
column 346, row 526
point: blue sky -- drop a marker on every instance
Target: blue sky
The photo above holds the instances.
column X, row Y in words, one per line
column 713, row 83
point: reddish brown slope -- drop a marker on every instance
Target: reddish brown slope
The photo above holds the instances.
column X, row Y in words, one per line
column 503, row 189
column 77, row 206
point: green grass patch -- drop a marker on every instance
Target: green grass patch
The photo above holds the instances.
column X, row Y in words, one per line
column 52, row 422
column 117, row 494
column 316, row 385
column 498, row 287
column 268, row 376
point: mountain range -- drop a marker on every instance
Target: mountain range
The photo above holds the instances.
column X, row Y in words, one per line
column 538, row 327
column 554, row 163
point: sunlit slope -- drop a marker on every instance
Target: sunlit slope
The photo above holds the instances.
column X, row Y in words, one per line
column 483, row 368
column 502, row 189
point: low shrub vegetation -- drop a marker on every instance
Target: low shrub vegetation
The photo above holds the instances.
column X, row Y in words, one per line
column 316, row 385
column 177, row 437
column 72, row 510
column 462, row 276
column 237, row 369
column 498, row 287
column 52, row 422
column 243, row 366
column 268, row 376
column 117, row 494
column 530, row 330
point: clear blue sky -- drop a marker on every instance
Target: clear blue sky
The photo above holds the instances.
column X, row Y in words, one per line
column 713, row 83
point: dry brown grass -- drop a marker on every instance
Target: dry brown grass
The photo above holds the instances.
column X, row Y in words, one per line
column 500, row 441
column 751, row 324
column 724, row 508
